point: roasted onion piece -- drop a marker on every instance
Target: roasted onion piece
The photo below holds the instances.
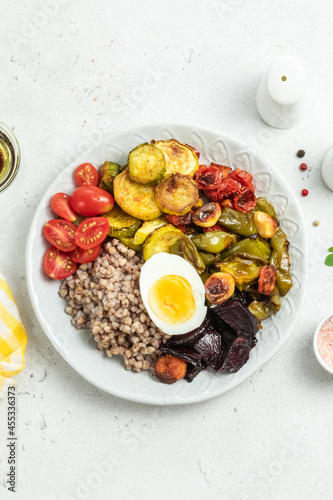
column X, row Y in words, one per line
column 207, row 215
column 219, row 287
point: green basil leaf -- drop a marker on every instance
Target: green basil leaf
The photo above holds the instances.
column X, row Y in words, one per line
column 329, row 260
column 330, row 249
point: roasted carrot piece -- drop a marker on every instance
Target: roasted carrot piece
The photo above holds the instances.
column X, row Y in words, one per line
column 267, row 279
column 169, row 369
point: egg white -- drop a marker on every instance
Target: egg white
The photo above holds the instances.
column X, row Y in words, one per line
column 165, row 264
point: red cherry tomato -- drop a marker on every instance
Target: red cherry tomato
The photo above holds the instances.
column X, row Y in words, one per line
column 217, row 227
column 91, row 232
column 245, row 201
column 226, row 204
column 61, row 205
column 228, row 187
column 208, row 178
column 83, row 256
column 61, row 234
column 86, row 175
column 91, row 201
column 244, row 178
column 225, row 170
column 58, row 265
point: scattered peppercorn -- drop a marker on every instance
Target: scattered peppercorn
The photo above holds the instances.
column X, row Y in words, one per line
column 300, row 153
column 305, row 192
column 316, row 223
column 303, row 167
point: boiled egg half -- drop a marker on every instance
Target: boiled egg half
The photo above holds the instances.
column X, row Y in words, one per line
column 173, row 293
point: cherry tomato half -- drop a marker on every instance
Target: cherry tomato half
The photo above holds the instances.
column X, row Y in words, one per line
column 225, row 170
column 228, row 187
column 244, row 178
column 208, row 178
column 61, row 205
column 58, row 265
column 61, row 234
column 217, row 227
column 91, row 201
column 86, row 175
column 83, row 256
column 245, row 201
column 226, row 203
column 91, row 232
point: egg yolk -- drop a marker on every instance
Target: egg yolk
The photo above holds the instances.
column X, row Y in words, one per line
column 171, row 299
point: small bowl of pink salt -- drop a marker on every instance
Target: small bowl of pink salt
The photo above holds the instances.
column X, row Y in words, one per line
column 323, row 343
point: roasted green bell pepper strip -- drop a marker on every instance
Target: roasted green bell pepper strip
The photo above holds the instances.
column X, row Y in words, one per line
column 204, row 276
column 237, row 222
column 176, row 248
column 249, row 248
column 280, row 259
column 263, row 206
column 214, row 241
column 186, row 249
column 242, row 270
column 191, row 254
column 264, row 309
column 209, row 259
column 107, row 172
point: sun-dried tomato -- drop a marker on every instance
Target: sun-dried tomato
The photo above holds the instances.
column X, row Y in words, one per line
column 245, row 201
column 267, row 279
column 169, row 369
column 243, row 177
column 208, row 178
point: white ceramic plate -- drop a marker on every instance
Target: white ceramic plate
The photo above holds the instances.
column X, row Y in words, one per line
column 78, row 347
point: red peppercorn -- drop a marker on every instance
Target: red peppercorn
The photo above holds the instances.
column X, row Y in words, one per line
column 303, row 167
column 305, row 192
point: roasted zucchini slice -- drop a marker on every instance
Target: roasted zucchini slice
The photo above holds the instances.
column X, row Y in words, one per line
column 122, row 224
column 179, row 158
column 148, row 227
column 146, row 165
column 136, row 199
column 129, row 242
column 161, row 240
column 106, row 174
column 177, row 194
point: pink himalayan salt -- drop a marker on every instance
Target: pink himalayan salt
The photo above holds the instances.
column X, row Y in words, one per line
column 325, row 342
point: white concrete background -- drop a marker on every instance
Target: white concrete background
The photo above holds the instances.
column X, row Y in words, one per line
column 82, row 71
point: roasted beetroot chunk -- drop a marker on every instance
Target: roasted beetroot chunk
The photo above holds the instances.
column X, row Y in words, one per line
column 236, row 315
column 223, row 342
column 190, row 337
column 187, row 353
column 237, row 355
column 209, row 346
column 194, row 370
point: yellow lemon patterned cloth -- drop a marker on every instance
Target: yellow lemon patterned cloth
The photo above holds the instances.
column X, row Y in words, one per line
column 13, row 338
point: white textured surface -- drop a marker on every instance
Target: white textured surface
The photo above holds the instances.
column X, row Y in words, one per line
column 56, row 99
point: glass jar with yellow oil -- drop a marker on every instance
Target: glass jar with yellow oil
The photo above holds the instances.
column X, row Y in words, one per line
column 10, row 156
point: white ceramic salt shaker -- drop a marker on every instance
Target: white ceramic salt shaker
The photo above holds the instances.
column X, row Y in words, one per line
column 327, row 169
column 281, row 95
